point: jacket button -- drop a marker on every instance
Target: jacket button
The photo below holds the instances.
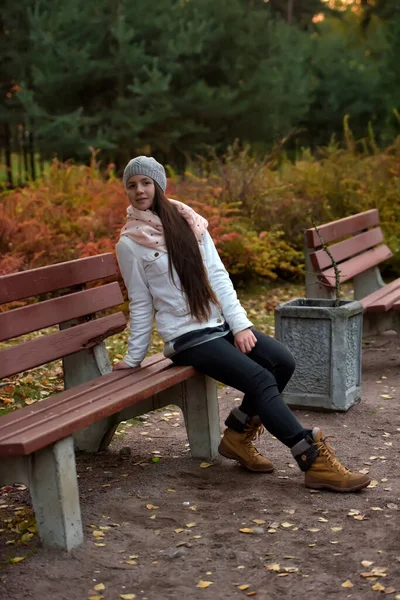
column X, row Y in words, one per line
column 156, row 254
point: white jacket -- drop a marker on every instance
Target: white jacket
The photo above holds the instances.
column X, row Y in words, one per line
column 145, row 273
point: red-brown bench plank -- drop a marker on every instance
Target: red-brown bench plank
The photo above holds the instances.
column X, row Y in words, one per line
column 72, row 418
column 57, row 345
column 356, row 265
column 342, row 228
column 344, row 250
column 377, row 298
column 56, row 277
column 57, row 310
column 15, row 421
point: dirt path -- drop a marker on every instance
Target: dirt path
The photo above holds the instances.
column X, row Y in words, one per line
column 303, row 544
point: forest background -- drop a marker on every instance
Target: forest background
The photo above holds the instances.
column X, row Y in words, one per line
column 261, row 110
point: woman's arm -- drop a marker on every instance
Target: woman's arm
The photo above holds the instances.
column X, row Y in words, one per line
column 141, row 311
column 222, row 285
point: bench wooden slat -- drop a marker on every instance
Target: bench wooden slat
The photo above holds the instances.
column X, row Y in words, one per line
column 52, row 408
column 57, row 345
column 344, row 250
column 385, row 303
column 56, row 277
column 73, row 419
column 19, row 419
column 343, row 227
column 57, row 310
column 356, row 265
column 380, row 294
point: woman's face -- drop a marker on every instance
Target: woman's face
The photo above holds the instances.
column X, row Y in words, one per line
column 140, row 190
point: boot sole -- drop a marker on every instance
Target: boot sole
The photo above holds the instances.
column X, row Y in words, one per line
column 237, row 458
column 332, row 488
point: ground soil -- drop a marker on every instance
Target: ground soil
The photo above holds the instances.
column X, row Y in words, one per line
column 194, row 534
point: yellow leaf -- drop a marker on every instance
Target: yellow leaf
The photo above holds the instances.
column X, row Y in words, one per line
column 347, row 584
column 131, row 562
column 172, row 491
column 367, row 563
column 179, row 530
column 376, row 508
column 153, row 517
column 359, row 517
column 373, row 483
column 291, row 569
column 336, row 528
column 191, row 525
column 271, row 530
column 17, row 559
column 95, row 597
column 204, row 465
column 99, row 587
column 387, row 396
column 258, row 521
column 313, row 529
column 204, row 584
column 98, row 533
column 246, row 530
column 99, row 544
column 243, row 587
column 286, row 525
column 151, row 507
column 127, row 596
column 282, row 574
column 390, row 590
column 377, row 587
column 134, row 556
column 252, row 594
column 273, row 567
column 322, row 520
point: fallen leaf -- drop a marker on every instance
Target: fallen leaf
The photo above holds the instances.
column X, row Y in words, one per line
column 377, row 587
column 17, row 559
column 243, row 587
column 336, row 528
column 313, row 529
column 367, row 563
column 286, row 525
column 98, row 533
column 347, row 584
column 204, row 584
column 191, row 525
column 131, row 562
column 390, row 590
column 387, row 396
column 179, row 530
column 99, row 587
column 323, row 520
column 127, row 596
column 376, row 508
column 291, row 569
column 246, row 530
column 151, row 507
column 204, row 465
column 282, row 574
column 273, row 567
column 373, row 483
column 258, row 521
column 172, row 491
column 95, row 597
column 252, row 594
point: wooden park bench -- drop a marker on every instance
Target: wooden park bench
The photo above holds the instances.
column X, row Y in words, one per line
column 358, row 247
column 37, row 441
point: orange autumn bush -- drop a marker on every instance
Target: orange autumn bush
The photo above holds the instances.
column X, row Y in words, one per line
column 76, row 211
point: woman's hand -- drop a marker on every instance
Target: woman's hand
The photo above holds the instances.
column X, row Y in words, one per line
column 245, row 341
column 121, row 365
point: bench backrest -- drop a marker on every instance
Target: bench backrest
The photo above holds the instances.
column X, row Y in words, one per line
column 362, row 249
column 73, row 302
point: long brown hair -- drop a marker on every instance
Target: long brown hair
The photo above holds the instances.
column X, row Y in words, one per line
column 184, row 254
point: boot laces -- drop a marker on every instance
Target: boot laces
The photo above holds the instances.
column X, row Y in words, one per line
column 253, row 433
column 329, row 453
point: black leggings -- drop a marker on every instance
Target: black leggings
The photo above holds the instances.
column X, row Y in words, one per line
column 261, row 374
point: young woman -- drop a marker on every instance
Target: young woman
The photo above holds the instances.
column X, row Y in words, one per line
column 170, row 265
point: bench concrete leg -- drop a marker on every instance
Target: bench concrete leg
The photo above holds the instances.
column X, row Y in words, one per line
column 367, row 282
column 80, row 368
column 54, row 490
column 200, row 409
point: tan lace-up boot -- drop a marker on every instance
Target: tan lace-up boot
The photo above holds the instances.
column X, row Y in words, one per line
column 239, row 446
column 326, row 472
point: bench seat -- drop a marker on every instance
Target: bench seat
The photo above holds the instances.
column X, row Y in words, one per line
column 39, row 425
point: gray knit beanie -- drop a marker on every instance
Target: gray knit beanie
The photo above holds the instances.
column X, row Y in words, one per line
column 146, row 165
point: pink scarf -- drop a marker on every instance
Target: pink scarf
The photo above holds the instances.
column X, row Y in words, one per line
column 145, row 227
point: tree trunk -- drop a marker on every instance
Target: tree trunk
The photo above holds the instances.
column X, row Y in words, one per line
column 290, row 5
